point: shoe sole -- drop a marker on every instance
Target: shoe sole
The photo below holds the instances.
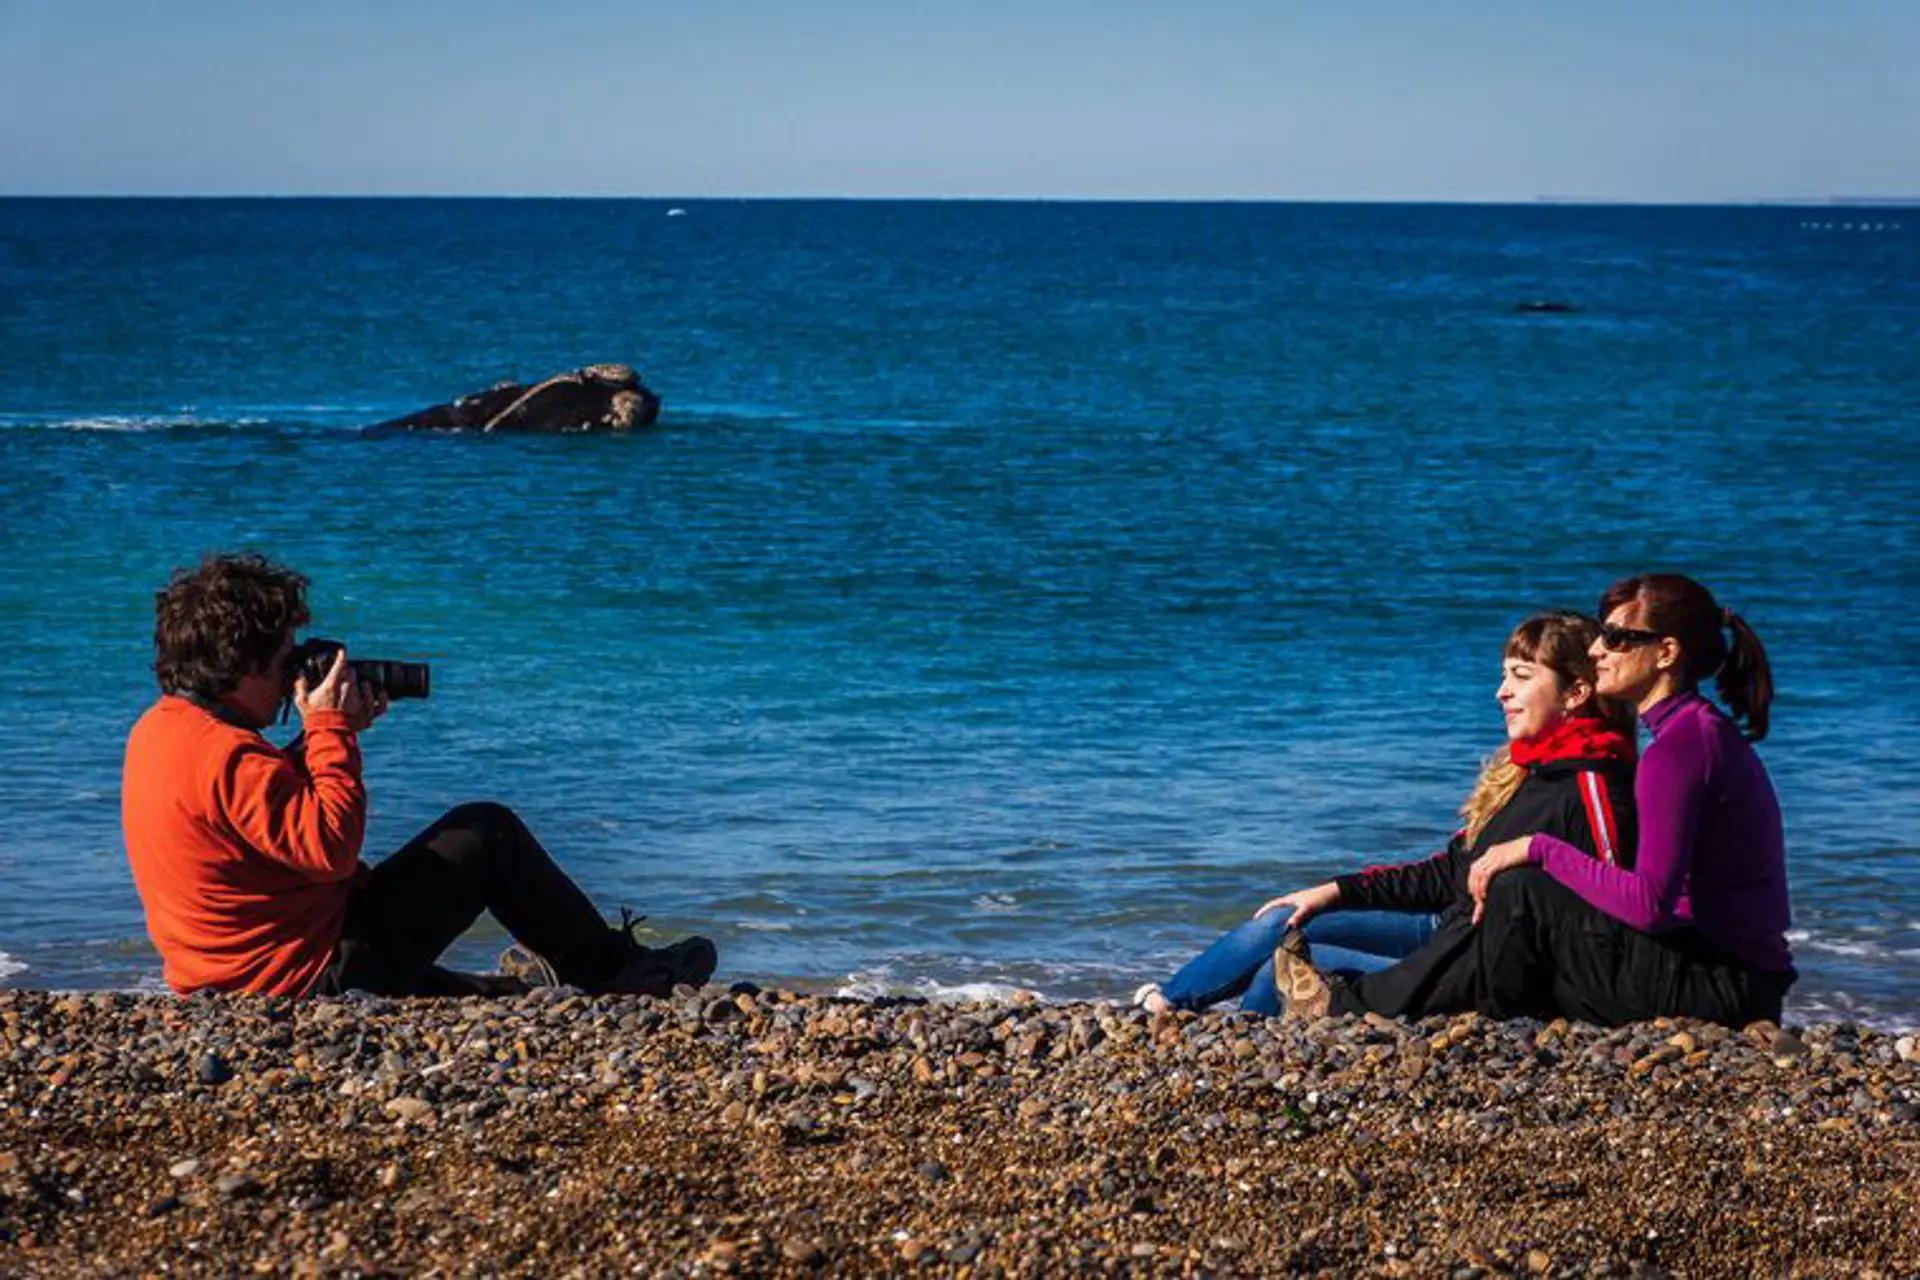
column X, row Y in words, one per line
column 1302, row 989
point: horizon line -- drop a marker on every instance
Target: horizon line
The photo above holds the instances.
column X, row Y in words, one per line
column 1819, row 201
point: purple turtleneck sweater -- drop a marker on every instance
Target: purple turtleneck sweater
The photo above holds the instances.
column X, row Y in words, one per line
column 1711, row 854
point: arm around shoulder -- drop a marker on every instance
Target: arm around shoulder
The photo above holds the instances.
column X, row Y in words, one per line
column 1643, row 889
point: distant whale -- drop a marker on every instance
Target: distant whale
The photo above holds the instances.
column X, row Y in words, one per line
column 597, row 398
column 1545, row 307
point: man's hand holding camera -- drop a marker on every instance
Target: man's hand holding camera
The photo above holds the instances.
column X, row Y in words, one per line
column 340, row 690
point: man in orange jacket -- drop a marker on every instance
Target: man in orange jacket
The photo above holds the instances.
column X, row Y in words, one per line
column 247, row 856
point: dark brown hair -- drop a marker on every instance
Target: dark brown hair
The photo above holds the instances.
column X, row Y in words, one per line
column 1560, row 643
column 222, row 621
column 1677, row 606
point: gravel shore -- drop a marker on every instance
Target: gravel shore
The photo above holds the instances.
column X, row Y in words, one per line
column 756, row 1132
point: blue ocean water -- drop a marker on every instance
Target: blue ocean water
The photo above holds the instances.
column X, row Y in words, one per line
column 1012, row 593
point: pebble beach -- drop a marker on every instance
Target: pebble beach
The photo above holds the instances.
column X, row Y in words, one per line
column 749, row 1131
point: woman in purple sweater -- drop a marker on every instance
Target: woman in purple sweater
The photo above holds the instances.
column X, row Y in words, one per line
column 1695, row 924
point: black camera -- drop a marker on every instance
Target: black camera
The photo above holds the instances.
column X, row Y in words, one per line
column 314, row 658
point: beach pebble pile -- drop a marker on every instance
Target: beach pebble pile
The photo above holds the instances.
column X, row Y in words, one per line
column 745, row 1131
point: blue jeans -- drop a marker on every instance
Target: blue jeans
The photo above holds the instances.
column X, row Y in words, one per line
column 1242, row 959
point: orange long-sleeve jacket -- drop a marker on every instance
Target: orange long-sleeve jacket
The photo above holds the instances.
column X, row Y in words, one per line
column 243, row 853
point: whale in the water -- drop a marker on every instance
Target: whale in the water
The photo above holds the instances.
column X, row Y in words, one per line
column 597, row 398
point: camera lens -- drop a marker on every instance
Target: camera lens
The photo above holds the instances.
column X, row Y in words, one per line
column 395, row 679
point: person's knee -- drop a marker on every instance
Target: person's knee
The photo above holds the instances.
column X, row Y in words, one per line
column 485, row 816
column 1263, row 932
column 1518, row 891
column 480, row 834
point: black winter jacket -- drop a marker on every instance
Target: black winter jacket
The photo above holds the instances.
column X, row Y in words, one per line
column 1587, row 803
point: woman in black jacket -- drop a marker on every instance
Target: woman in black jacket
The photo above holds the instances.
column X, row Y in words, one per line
column 1567, row 768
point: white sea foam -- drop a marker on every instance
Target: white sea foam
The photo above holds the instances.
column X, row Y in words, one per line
column 996, row 903
column 9, row 966
column 1855, row 947
column 1841, row 1006
column 1859, row 950
column 872, row 984
column 123, row 423
column 113, row 424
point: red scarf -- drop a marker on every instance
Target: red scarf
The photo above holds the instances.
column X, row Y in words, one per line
column 1576, row 738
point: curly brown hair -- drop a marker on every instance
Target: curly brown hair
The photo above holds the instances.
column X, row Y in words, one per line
column 222, row 621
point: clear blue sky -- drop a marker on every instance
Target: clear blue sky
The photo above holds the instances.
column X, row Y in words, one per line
column 1337, row 99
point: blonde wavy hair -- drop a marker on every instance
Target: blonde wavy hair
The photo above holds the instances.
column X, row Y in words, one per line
column 1558, row 642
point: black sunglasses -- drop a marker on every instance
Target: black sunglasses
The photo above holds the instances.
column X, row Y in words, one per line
column 1620, row 638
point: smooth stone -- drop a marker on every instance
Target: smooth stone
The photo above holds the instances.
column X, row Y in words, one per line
column 807, row 1253
column 410, row 1109
column 236, row 1186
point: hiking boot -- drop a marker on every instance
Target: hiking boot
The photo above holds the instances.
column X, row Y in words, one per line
column 1304, row 992
column 656, row 971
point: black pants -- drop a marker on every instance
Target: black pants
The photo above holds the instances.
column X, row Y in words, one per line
column 1543, row 951
column 478, row 857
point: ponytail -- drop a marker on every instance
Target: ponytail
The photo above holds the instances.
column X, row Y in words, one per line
column 1674, row 605
column 1746, row 678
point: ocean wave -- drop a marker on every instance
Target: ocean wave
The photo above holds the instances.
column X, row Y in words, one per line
column 125, row 423
column 874, row 984
column 716, row 411
column 229, row 417
column 952, row 979
column 719, row 409
column 9, row 966
column 1841, row 1006
column 1855, row 947
column 354, row 417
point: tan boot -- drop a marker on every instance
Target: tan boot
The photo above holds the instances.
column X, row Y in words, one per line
column 528, row 967
column 1304, row 993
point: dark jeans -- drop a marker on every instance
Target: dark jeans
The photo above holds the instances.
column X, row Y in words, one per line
column 478, row 857
column 1542, row 951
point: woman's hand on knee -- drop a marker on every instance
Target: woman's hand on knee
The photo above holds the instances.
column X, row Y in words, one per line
column 1504, row 856
column 1304, row 903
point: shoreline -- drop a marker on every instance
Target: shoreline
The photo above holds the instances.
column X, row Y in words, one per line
column 865, row 987
column 751, row 1131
